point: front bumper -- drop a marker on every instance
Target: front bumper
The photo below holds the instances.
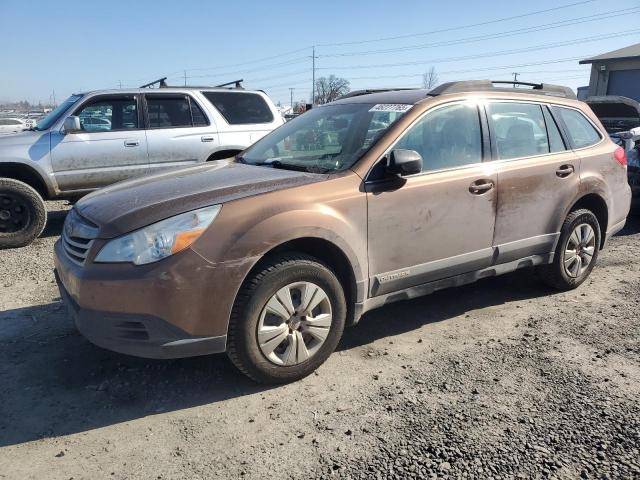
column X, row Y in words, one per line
column 138, row 335
column 177, row 307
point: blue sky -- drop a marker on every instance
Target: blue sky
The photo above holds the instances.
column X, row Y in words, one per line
column 70, row 46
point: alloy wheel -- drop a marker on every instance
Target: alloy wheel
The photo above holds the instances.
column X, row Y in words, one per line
column 294, row 323
column 579, row 251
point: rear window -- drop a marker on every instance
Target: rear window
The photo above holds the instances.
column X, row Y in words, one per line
column 581, row 132
column 240, row 108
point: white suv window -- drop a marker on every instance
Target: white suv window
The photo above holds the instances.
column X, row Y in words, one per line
column 239, row 108
column 110, row 113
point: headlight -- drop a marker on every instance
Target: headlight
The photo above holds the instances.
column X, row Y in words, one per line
column 159, row 240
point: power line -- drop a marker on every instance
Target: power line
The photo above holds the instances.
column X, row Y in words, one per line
column 461, row 27
column 491, row 36
column 291, row 52
column 491, row 54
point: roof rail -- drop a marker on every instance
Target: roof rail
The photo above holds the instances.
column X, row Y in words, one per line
column 367, row 91
column 162, row 82
column 489, row 85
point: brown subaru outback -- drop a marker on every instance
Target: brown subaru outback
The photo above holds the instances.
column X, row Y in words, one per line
column 377, row 197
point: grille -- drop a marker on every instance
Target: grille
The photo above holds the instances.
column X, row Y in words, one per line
column 78, row 235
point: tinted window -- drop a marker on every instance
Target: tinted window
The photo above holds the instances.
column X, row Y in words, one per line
column 168, row 112
column 105, row 114
column 519, row 129
column 9, row 122
column 580, row 130
column 199, row 119
column 240, row 108
column 447, row 137
column 556, row 144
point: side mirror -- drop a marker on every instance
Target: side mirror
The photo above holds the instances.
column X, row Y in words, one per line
column 72, row 124
column 404, row 162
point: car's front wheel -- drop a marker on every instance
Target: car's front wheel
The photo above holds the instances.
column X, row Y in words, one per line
column 23, row 214
column 287, row 319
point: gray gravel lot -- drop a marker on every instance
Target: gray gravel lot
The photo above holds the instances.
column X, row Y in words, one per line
column 503, row 378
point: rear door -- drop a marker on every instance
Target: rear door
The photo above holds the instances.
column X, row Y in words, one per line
column 538, row 177
column 178, row 131
column 111, row 145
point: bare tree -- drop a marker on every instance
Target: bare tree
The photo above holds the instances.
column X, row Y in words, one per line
column 430, row 78
column 330, row 88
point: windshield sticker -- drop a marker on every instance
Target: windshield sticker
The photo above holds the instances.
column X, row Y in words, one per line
column 390, row 107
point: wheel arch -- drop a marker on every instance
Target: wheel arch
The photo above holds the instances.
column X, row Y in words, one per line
column 327, row 252
column 598, row 205
column 224, row 153
column 26, row 174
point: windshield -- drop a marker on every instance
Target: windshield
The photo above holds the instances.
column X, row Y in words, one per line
column 56, row 113
column 325, row 139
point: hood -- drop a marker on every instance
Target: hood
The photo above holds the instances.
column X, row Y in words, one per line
column 615, row 112
column 133, row 204
column 28, row 137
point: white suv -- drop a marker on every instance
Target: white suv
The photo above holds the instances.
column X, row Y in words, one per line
column 98, row 138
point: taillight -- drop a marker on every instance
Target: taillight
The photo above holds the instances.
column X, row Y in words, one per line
column 621, row 156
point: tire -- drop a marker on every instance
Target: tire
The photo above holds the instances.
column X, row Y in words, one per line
column 298, row 274
column 23, row 214
column 555, row 274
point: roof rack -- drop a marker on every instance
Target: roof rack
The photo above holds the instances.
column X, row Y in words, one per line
column 357, row 93
column 162, row 82
column 235, row 83
column 489, row 85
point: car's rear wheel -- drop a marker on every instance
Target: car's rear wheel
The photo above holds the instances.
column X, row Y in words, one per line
column 287, row 319
column 576, row 253
column 23, row 214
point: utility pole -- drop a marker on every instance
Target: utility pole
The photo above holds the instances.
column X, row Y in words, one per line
column 291, row 89
column 313, row 80
column 120, row 84
column 185, row 78
column 515, row 78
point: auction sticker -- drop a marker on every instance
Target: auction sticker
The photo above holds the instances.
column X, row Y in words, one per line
column 390, row 107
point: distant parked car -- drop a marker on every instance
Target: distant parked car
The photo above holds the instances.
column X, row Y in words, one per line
column 98, row 138
column 12, row 125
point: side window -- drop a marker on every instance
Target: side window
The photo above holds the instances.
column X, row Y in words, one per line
column 582, row 133
column 519, row 129
column 4, row 122
column 106, row 114
column 197, row 115
column 446, row 138
column 168, row 111
column 556, row 144
column 239, row 108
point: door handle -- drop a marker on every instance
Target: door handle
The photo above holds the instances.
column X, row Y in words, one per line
column 131, row 143
column 206, row 138
column 564, row 171
column 480, row 186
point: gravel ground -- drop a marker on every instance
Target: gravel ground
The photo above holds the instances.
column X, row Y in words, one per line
column 502, row 379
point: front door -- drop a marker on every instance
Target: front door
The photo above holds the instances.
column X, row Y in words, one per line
column 438, row 223
column 111, row 145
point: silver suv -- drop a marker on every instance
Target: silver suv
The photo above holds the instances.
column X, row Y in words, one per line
column 98, row 138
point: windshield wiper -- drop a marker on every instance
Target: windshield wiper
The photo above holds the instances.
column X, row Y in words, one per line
column 290, row 166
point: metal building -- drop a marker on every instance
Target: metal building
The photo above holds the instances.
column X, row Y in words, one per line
column 616, row 73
